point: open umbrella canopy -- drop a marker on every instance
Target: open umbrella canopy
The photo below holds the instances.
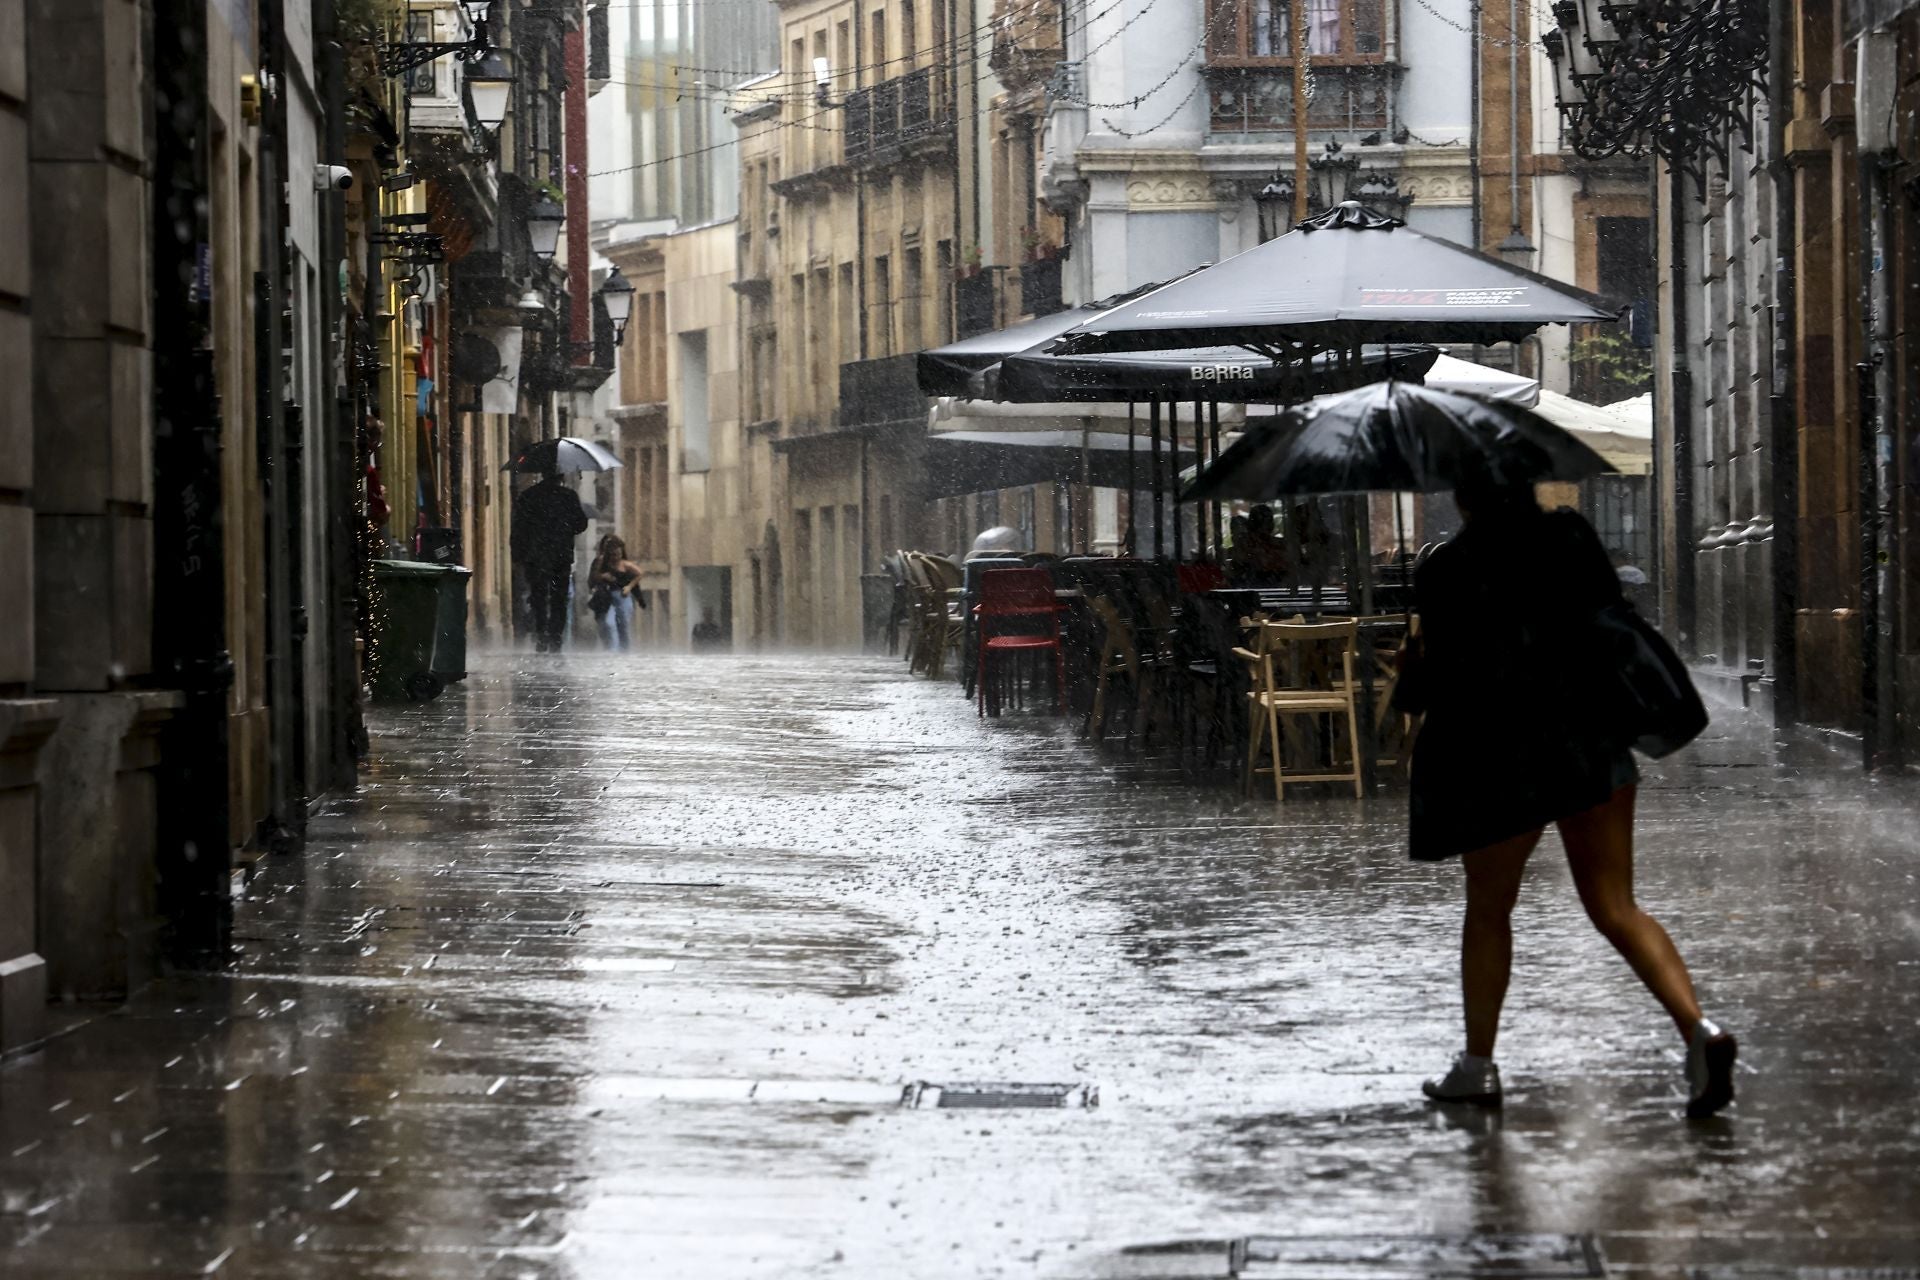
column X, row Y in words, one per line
column 1398, row 437
column 563, row 453
column 1345, row 278
column 1622, row 432
column 1451, row 373
column 949, row 370
column 950, row 414
column 1231, row 374
column 961, row 462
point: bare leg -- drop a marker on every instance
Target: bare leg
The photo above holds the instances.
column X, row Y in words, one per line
column 1600, row 852
column 1486, row 938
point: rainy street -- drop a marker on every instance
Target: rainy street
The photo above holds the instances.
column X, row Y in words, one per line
column 757, row 967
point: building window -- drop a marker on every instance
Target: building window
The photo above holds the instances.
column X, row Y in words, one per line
column 696, row 432
column 943, row 267
column 882, row 309
column 1256, row 31
column 423, row 80
column 849, row 317
column 909, row 52
column 877, row 55
column 912, row 302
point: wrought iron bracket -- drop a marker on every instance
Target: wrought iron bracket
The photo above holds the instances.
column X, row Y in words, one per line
column 398, row 59
column 412, row 245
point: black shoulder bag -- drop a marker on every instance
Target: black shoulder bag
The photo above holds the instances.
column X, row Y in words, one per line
column 1646, row 693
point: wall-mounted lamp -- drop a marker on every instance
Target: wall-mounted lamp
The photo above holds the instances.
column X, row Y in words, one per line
column 618, row 293
column 544, row 221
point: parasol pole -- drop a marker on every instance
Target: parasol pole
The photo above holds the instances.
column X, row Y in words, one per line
column 1153, row 475
column 1086, row 491
column 1173, row 474
column 1133, row 484
column 1213, row 456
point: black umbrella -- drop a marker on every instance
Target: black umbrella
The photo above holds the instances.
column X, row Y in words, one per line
column 1347, row 277
column 563, row 453
column 1394, row 436
column 1231, row 374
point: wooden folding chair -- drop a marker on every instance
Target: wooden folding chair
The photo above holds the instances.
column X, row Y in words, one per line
column 1119, row 657
column 1301, row 669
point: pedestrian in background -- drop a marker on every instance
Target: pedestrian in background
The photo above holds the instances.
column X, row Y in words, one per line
column 1260, row 558
column 547, row 517
column 613, row 584
column 1512, row 743
column 707, row 633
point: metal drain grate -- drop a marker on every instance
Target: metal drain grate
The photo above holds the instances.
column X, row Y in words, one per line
column 1509, row 1257
column 1769, row 1272
column 1003, row 1097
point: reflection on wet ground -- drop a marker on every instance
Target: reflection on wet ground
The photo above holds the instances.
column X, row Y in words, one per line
column 686, row 967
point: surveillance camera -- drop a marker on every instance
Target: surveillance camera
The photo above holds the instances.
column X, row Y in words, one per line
column 332, row 177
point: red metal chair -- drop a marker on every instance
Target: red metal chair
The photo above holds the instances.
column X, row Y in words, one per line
column 1198, row 579
column 1019, row 595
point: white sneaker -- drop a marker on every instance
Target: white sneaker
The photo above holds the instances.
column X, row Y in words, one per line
column 1471, row 1079
column 1710, row 1057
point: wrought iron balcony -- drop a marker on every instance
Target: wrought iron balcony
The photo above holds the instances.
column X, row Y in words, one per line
column 1040, row 286
column 973, row 303
column 898, row 117
column 1259, row 99
column 882, row 392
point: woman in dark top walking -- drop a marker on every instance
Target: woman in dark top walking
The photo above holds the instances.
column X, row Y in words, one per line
column 614, row 583
column 1510, row 745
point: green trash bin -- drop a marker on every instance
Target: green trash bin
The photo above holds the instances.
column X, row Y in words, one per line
column 422, row 629
column 450, row 640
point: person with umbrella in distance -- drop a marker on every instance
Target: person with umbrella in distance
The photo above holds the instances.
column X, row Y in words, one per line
column 547, row 517
column 1533, row 676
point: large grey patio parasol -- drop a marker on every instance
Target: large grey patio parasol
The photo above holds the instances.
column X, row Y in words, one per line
column 1336, row 282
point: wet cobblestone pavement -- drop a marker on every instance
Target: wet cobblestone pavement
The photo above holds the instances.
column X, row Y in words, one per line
column 681, row 967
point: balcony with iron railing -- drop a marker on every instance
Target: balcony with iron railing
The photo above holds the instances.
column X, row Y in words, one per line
column 909, row 115
column 1026, row 44
column 1249, row 65
column 883, row 391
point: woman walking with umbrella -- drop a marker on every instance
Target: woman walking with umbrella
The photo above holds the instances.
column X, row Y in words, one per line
column 1513, row 743
column 1533, row 677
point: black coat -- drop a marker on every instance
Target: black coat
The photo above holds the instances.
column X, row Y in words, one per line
column 1512, row 739
column 546, row 520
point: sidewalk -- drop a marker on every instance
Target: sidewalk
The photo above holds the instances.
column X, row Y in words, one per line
column 631, row 968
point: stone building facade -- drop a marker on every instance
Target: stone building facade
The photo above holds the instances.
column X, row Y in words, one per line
column 172, row 547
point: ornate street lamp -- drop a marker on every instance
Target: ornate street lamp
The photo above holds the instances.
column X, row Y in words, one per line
column 544, row 221
column 1274, row 205
column 1333, row 172
column 490, row 87
column 617, row 293
column 398, row 59
column 1658, row 76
